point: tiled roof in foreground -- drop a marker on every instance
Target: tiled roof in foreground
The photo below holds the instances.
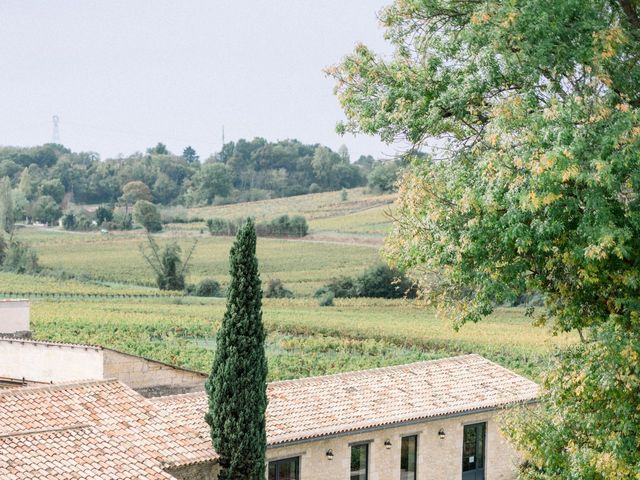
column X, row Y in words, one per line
column 74, row 453
column 333, row 404
column 74, row 420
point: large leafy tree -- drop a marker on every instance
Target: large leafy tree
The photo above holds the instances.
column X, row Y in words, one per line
column 237, row 386
column 529, row 110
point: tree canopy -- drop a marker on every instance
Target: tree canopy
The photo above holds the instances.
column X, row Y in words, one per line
column 531, row 108
column 528, row 111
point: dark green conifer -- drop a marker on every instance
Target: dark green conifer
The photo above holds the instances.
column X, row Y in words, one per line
column 237, row 385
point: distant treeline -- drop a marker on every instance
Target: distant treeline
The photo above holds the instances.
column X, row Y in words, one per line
column 243, row 170
column 282, row 226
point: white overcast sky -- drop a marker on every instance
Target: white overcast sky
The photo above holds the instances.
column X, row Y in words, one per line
column 123, row 75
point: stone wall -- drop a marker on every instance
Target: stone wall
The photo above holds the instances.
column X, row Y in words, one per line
column 198, row 471
column 48, row 361
column 14, row 316
column 437, row 459
column 149, row 377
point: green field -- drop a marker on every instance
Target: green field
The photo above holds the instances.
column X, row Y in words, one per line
column 303, row 338
column 303, row 266
column 345, row 239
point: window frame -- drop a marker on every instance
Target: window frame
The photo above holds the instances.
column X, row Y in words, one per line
column 367, row 444
column 417, row 437
column 485, row 442
column 278, row 461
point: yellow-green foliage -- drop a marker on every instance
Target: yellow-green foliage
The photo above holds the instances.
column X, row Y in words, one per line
column 303, row 338
column 302, row 266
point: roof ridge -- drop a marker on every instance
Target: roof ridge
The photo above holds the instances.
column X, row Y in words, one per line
column 24, row 433
column 177, row 396
column 389, row 367
column 60, row 386
column 340, row 374
column 8, row 338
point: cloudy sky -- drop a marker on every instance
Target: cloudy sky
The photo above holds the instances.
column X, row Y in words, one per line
column 123, row 75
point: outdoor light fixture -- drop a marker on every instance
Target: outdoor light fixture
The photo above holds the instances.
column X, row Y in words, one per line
column 441, row 434
column 387, row 444
column 329, row 454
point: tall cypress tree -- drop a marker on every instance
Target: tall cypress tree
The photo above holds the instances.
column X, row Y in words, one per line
column 237, row 385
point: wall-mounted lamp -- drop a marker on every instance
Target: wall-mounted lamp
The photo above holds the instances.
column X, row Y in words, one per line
column 441, row 434
column 329, row 454
column 387, row 444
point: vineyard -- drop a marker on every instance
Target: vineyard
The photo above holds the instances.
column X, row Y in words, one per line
column 14, row 285
column 303, row 339
column 117, row 305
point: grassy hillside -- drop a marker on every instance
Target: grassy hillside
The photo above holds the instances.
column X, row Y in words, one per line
column 303, row 266
column 360, row 213
column 345, row 238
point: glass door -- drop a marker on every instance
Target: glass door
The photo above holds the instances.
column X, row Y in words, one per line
column 473, row 454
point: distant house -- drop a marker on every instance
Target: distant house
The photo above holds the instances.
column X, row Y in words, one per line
column 434, row 420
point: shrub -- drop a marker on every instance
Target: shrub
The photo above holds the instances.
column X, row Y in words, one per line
column 167, row 263
column 222, row 226
column 20, row 258
column 343, row 287
column 147, row 215
column 69, row 221
column 326, row 299
column 378, row 281
column 207, row 287
column 314, row 188
column 121, row 221
column 276, row 289
column 104, row 214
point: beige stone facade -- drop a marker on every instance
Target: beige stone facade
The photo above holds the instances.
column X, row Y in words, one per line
column 437, row 459
column 146, row 375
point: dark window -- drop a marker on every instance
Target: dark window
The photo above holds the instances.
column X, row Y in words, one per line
column 473, row 452
column 360, row 462
column 287, row 469
column 408, row 462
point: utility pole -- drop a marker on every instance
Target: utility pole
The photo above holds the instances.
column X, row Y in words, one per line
column 55, row 138
column 222, row 148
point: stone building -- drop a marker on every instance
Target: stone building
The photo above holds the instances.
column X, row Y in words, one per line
column 436, row 420
column 25, row 361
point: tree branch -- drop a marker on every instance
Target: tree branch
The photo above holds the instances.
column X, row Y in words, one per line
column 630, row 12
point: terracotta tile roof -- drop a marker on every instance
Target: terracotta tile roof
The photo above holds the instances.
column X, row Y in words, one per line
column 116, row 412
column 76, row 453
column 321, row 406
